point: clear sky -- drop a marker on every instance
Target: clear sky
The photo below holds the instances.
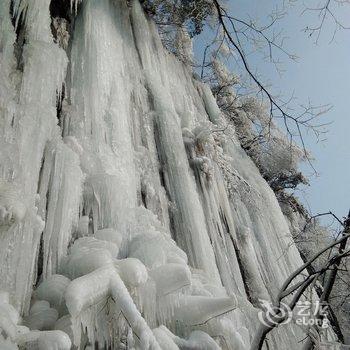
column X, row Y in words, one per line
column 321, row 75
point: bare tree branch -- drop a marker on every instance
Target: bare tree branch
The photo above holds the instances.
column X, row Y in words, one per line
column 277, row 109
column 332, row 265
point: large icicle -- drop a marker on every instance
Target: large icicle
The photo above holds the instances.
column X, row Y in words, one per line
column 102, row 125
column 32, row 124
column 60, row 191
column 188, row 215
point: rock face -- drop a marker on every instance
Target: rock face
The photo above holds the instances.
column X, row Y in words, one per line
column 184, row 235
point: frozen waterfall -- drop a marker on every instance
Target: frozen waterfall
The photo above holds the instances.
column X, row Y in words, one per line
column 127, row 220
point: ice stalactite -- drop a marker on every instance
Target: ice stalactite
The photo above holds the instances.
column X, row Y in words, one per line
column 187, row 214
column 32, row 125
column 60, row 191
column 101, row 124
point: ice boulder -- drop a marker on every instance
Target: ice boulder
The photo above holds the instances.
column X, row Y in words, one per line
column 53, row 290
column 46, row 340
column 165, row 338
column 64, row 324
column 132, row 272
column 84, row 261
column 197, row 340
column 109, row 235
column 171, row 277
column 41, row 316
column 93, row 243
column 155, row 249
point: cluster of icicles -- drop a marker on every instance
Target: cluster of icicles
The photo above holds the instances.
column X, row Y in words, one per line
column 97, row 298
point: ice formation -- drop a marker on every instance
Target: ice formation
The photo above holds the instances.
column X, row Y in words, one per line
column 126, row 219
column 12, row 209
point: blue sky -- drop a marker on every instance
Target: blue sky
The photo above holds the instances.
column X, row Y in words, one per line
column 321, row 75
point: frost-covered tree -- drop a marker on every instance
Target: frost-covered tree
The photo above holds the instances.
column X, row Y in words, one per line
column 276, row 155
column 189, row 13
column 178, row 22
column 272, row 145
column 183, row 45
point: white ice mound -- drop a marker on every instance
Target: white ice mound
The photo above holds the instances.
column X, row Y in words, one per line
column 84, row 261
column 198, row 310
column 171, row 277
column 132, row 272
column 64, row 324
column 93, row 243
column 48, row 340
column 53, row 290
column 7, row 310
column 165, row 338
column 197, row 340
column 155, row 249
column 54, row 340
column 7, row 345
column 41, row 316
column 12, row 208
column 89, row 289
column 109, row 235
column 94, row 287
column 4, row 297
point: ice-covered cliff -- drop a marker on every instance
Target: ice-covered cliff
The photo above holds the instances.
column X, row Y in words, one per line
column 130, row 217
